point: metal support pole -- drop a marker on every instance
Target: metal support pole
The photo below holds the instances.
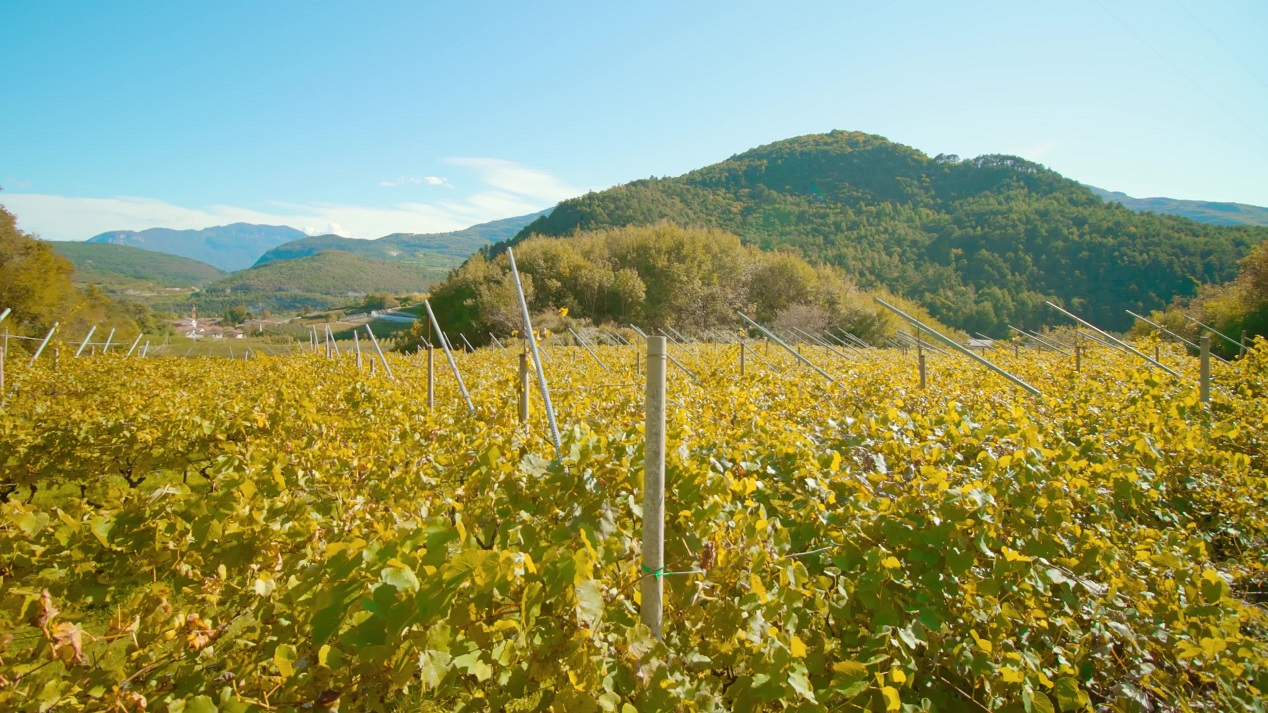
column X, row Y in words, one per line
column 449, row 355
column 109, row 337
column 1213, row 330
column 464, row 341
column 133, row 347
column 382, row 358
column 85, row 342
column 145, row 349
column 588, row 350
column 1172, row 334
column 537, row 359
column 334, row 342
column 1204, row 370
column 495, row 341
column 951, row 343
column 790, row 350
column 525, row 387
column 1116, row 341
column 653, row 582
column 42, row 345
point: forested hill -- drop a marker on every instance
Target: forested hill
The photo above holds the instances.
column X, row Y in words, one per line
column 982, row 242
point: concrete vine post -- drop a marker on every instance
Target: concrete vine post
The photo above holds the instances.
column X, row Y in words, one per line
column 431, row 378
column 653, row 582
column 1204, row 370
column 526, row 386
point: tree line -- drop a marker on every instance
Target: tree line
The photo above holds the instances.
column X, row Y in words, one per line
column 662, row 275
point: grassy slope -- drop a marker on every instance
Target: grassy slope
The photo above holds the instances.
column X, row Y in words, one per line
column 332, row 273
column 122, row 266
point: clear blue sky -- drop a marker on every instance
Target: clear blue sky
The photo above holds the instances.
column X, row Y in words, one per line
column 370, row 118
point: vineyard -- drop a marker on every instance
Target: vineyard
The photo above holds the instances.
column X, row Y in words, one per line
column 293, row 533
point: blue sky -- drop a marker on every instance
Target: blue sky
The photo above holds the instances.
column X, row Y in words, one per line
column 372, row 118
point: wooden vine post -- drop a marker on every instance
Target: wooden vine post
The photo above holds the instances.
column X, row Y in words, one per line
column 653, row 581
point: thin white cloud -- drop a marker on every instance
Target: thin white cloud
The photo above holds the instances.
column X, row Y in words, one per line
column 507, row 189
column 415, row 181
column 520, row 180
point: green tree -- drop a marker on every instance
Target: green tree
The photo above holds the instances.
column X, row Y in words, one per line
column 237, row 314
column 34, row 281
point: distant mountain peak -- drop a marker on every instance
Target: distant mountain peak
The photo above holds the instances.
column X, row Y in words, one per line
column 1214, row 212
column 228, row 247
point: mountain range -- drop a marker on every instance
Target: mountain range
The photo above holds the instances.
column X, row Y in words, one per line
column 437, row 249
column 313, row 271
column 1212, row 212
column 227, row 247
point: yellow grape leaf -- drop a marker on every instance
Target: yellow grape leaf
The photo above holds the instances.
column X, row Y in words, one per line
column 891, row 563
column 897, row 675
column 758, row 588
column 797, row 647
column 849, row 668
column 1011, row 675
column 983, row 644
column 892, row 701
column 1011, row 555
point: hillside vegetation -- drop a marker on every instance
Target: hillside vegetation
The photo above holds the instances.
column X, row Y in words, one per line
column 658, row 276
column 981, row 242
column 36, row 285
column 1234, row 309
column 442, row 250
column 123, row 266
column 332, row 274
